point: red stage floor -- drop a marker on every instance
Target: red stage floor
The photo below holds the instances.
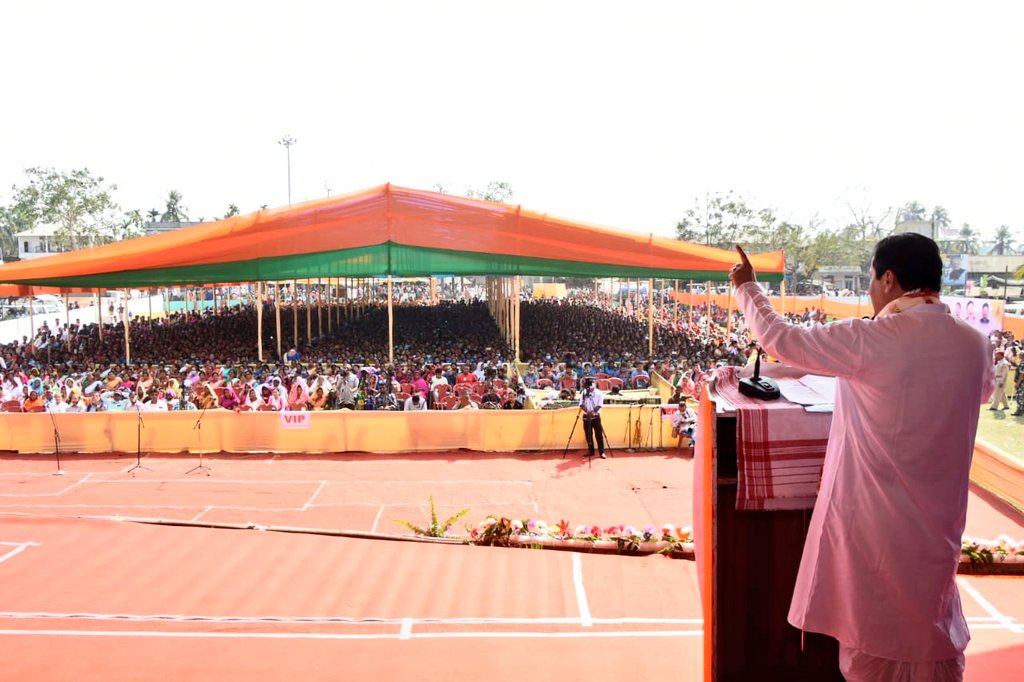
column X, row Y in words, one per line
column 88, row 598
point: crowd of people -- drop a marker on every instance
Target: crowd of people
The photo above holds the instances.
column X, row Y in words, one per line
column 447, row 356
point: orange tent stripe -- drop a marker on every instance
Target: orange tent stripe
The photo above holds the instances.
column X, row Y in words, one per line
column 386, row 214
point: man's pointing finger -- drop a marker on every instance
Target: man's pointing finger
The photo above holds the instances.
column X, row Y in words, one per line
column 743, row 255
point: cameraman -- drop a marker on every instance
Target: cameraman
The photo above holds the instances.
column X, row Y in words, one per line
column 591, row 401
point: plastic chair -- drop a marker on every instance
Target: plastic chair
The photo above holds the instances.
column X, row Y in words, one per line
column 615, row 381
column 449, row 402
column 37, row 408
column 11, row 406
column 545, row 383
column 603, row 385
column 600, row 375
column 641, row 380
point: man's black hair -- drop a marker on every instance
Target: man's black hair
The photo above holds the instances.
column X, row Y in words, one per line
column 913, row 258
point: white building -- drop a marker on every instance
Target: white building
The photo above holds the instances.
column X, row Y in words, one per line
column 38, row 242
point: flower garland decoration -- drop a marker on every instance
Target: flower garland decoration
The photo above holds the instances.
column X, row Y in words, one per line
column 503, row 531
column 1003, row 549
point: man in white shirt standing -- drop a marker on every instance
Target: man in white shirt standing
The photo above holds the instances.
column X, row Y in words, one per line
column 878, row 571
column 591, row 401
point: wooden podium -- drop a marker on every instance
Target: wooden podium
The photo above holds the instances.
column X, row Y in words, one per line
column 747, row 565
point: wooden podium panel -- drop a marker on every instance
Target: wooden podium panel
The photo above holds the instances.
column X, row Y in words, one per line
column 752, row 558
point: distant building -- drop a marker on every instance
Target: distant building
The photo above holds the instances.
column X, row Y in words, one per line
column 38, row 241
column 161, row 226
column 843, row 277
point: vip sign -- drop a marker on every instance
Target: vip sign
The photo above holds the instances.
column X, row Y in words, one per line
column 296, row 420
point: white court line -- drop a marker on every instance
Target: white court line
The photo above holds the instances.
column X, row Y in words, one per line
column 53, row 494
column 250, row 481
column 406, row 631
column 323, row 484
column 196, row 517
column 324, row 636
column 75, row 484
column 338, row 620
column 1006, row 621
column 581, row 593
column 376, row 520
column 18, row 549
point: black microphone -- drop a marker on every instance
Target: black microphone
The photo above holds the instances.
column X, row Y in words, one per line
column 757, row 386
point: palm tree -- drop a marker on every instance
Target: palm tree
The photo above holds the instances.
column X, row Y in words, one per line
column 232, row 210
column 969, row 236
column 940, row 217
column 175, row 212
column 1004, row 240
column 131, row 226
column 912, row 210
column 153, row 214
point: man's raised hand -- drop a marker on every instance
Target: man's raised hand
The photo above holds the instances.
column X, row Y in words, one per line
column 743, row 271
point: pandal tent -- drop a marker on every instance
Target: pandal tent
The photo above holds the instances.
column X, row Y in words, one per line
column 383, row 231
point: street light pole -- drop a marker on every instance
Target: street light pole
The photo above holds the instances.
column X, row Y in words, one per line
column 288, row 141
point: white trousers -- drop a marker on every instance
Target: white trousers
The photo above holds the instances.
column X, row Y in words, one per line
column 858, row 666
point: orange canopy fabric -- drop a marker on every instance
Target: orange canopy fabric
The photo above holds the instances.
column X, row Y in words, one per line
column 386, row 230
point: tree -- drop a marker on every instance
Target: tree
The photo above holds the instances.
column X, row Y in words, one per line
column 153, row 214
column 174, row 211
column 13, row 219
column 912, row 210
column 500, row 192
column 969, row 238
column 723, row 220
column 232, row 211
column 78, row 203
column 940, row 217
column 1004, row 240
column 496, row 190
column 825, row 248
column 132, row 225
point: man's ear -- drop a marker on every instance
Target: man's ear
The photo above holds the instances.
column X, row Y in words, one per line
column 889, row 281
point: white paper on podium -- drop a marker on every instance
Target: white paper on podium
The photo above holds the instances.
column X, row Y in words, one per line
column 810, row 389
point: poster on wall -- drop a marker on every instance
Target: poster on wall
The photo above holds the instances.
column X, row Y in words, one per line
column 954, row 270
column 985, row 314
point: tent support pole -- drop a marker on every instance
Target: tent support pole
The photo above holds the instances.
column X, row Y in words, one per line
column 277, row 314
column 259, row 321
column 650, row 320
column 127, row 334
column 391, row 326
column 309, row 314
column 67, row 320
column 99, row 313
column 295, row 313
column 320, row 306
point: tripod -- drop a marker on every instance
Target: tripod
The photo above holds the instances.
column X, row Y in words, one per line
column 200, row 467
column 56, row 444
column 138, row 433
column 573, row 432
column 629, row 429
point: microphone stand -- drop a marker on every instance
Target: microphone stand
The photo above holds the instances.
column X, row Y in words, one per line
column 200, row 467
column 56, row 443
column 138, row 433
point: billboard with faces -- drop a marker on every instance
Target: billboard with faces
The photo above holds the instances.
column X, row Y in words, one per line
column 984, row 314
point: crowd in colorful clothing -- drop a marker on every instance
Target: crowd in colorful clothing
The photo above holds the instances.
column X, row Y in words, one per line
column 447, row 356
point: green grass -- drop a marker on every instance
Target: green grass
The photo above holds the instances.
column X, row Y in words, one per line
column 1003, row 430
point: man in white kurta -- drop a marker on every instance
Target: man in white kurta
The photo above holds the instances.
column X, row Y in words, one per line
column 879, row 564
